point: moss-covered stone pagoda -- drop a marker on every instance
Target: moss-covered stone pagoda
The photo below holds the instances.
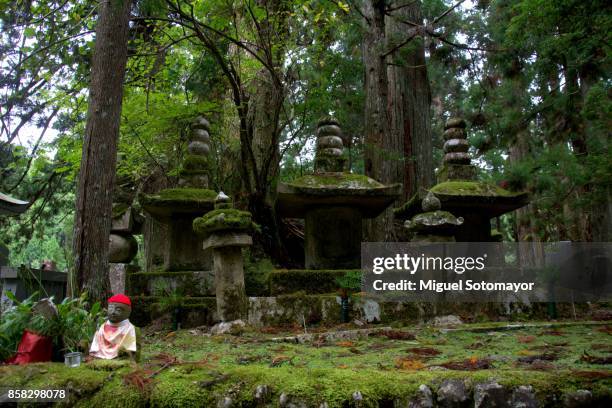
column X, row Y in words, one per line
column 461, row 194
column 333, row 203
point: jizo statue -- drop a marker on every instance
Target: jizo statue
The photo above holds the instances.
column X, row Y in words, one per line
column 117, row 336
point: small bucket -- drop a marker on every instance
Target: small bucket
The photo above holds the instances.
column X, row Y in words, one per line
column 73, row 359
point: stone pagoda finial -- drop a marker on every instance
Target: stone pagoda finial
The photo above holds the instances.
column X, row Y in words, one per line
column 456, row 146
column 328, row 158
column 195, row 169
column 223, row 201
column 431, row 203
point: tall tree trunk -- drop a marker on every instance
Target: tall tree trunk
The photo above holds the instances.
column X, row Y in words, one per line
column 376, row 122
column 409, row 106
column 397, row 107
column 99, row 157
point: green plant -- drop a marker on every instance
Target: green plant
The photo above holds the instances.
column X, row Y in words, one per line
column 13, row 322
column 350, row 281
column 75, row 324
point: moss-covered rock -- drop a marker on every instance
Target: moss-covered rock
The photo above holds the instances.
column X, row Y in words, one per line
column 471, row 188
column 223, row 219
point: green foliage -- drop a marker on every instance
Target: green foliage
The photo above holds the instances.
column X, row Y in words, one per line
column 13, row 322
column 76, row 324
column 73, row 327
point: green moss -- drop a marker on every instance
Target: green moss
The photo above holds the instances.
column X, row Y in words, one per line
column 285, row 281
column 194, row 163
column 337, row 180
column 471, row 188
column 179, row 196
column 410, row 208
column 330, row 374
column 223, row 219
column 115, row 394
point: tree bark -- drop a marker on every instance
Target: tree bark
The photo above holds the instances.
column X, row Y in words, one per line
column 99, row 157
column 409, row 107
column 376, row 121
column 397, row 107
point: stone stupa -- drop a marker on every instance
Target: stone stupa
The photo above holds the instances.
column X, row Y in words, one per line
column 461, row 194
column 333, row 203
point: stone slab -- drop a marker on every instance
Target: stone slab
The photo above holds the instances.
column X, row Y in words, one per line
column 227, row 239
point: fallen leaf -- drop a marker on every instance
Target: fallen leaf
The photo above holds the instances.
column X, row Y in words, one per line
column 552, row 332
column 606, row 348
column 541, row 357
column 279, row 360
column 345, row 344
column 605, row 329
column 424, row 351
column 403, row 363
column 592, row 375
column 396, row 334
column 472, row 363
column 526, row 339
column 587, row 358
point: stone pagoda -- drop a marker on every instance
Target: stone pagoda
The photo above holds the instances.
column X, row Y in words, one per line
column 178, row 207
column 461, row 194
column 333, row 203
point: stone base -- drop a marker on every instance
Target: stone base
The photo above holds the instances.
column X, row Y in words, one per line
column 333, row 238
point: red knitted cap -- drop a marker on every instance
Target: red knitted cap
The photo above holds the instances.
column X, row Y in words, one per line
column 120, row 299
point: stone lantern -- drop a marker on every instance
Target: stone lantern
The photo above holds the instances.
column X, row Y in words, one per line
column 226, row 232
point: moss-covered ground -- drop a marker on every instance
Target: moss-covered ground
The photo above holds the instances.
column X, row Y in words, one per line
column 190, row 368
